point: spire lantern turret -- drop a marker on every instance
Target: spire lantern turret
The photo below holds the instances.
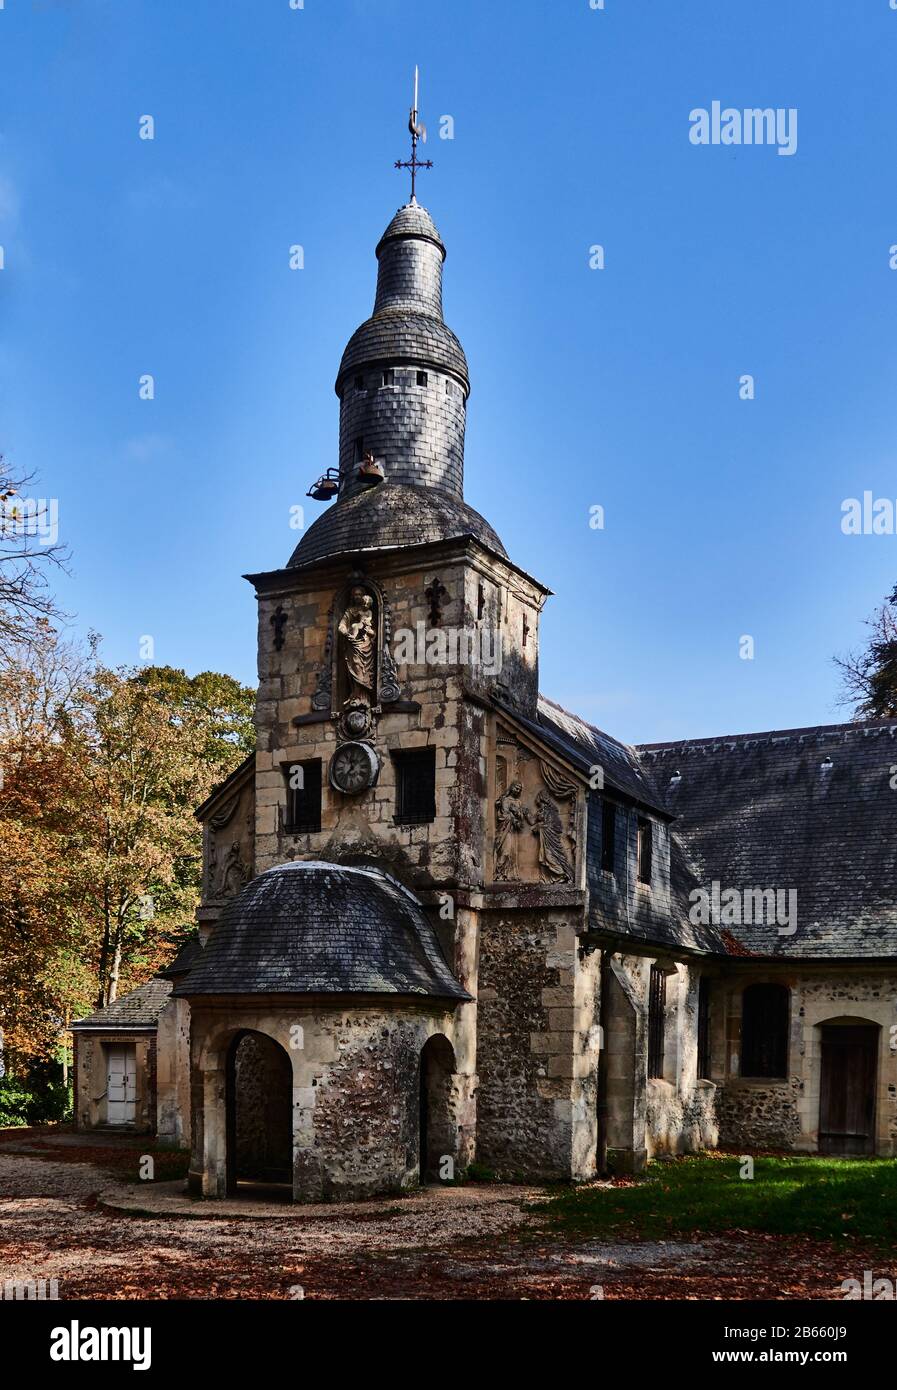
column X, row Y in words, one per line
column 403, row 381
column 403, row 386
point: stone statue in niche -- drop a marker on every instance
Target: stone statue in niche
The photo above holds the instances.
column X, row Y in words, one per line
column 509, row 819
column 358, row 673
column 358, row 630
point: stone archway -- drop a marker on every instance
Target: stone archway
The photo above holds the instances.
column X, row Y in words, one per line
column 259, row 1116
column 438, row 1130
column 848, row 1074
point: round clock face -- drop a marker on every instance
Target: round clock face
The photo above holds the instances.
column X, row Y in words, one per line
column 354, row 768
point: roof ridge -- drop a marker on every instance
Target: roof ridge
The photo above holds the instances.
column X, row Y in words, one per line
column 571, row 714
column 848, row 726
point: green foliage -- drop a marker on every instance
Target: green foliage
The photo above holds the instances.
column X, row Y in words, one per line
column 37, row 1096
column 478, row 1172
column 826, row 1198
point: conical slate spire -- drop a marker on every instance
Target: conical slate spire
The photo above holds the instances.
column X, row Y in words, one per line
column 403, row 386
column 403, row 381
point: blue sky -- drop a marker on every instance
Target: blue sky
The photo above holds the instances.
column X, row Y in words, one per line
column 615, row 387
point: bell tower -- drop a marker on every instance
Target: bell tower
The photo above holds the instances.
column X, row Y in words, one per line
column 399, row 617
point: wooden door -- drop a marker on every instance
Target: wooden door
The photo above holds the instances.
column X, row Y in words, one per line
column 121, row 1084
column 847, row 1089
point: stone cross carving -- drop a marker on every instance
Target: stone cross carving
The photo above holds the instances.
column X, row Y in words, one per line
column 435, row 593
column 278, row 622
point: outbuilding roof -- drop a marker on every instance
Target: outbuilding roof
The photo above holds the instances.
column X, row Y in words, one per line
column 139, row 1010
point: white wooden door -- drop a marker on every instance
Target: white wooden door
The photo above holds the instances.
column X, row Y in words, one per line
column 121, row 1084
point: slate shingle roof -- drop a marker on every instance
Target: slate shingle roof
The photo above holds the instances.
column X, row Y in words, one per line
column 761, row 811
column 389, row 516
column 310, row 927
column 139, row 1009
column 400, row 335
column 185, row 959
column 587, row 747
column 412, row 220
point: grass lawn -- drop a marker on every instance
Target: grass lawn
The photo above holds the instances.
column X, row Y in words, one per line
column 827, row 1198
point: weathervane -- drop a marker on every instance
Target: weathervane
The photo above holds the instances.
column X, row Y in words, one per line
column 418, row 132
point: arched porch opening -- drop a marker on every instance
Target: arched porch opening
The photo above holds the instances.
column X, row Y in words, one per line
column 438, row 1129
column 259, row 1118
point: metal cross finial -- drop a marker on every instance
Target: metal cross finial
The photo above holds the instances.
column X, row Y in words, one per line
column 418, row 132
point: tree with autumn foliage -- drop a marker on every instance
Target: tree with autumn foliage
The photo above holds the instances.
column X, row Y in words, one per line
column 100, row 853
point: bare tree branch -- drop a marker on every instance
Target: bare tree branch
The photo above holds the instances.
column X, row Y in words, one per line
column 29, row 551
column 869, row 676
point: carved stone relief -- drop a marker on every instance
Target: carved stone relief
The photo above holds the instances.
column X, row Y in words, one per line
column 535, row 818
column 228, row 846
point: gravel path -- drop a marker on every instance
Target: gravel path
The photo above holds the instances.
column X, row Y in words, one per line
column 78, row 1224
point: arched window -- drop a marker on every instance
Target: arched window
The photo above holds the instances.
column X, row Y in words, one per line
column 764, row 1031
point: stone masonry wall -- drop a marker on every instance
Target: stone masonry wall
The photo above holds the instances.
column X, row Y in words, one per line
column 537, row 1058
column 450, row 848
column 769, row 1112
column 355, row 1095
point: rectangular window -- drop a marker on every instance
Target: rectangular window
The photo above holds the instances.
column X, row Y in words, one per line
column 358, row 449
column 645, row 829
column 704, row 1029
column 657, row 1008
column 608, row 835
column 359, row 383
column 764, row 1030
column 303, row 783
column 422, row 378
column 415, row 786
column 388, row 379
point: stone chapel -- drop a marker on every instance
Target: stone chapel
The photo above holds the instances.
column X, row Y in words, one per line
column 446, row 922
